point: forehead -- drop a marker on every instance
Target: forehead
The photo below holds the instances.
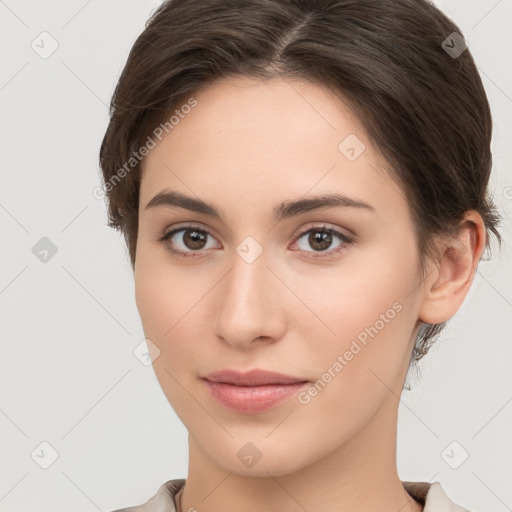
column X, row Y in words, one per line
column 252, row 111
column 274, row 139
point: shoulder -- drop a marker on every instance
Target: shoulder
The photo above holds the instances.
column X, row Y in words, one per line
column 162, row 501
column 432, row 496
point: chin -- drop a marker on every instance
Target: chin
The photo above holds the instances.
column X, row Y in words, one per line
column 259, row 457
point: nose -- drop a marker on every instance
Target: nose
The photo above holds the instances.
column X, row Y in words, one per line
column 251, row 306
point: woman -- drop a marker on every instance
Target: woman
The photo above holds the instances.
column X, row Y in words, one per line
column 302, row 186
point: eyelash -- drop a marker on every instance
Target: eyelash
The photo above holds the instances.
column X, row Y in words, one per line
column 346, row 241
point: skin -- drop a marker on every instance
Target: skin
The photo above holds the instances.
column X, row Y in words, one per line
column 247, row 146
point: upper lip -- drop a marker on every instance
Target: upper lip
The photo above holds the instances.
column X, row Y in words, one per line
column 254, row 377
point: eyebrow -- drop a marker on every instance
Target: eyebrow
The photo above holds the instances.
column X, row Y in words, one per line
column 284, row 210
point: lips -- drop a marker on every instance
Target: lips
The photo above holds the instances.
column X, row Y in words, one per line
column 254, row 377
column 254, row 391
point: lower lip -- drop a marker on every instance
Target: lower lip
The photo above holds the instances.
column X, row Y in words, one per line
column 252, row 399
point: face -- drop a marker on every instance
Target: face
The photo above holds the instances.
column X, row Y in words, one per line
column 326, row 294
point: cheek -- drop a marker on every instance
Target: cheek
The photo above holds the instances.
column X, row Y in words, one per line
column 165, row 302
column 153, row 302
column 172, row 304
column 164, row 294
column 357, row 366
column 368, row 314
column 365, row 290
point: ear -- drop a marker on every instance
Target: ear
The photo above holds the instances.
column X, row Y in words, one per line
column 450, row 277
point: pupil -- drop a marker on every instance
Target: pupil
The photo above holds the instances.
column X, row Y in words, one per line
column 320, row 240
column 194, row 239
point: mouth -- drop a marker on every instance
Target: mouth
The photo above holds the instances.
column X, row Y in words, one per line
column 254, row 377
column 254, row 391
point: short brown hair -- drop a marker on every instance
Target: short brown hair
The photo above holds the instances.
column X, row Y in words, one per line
column 423, row 106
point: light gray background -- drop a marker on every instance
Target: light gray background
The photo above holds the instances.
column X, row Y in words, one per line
column 69, row 326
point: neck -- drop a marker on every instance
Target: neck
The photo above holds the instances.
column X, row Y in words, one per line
column 359, row 475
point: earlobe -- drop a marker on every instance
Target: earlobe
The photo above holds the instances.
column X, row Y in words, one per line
column 451, row 275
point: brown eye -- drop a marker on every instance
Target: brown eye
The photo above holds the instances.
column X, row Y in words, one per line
column 194, row 239
column 323, row 241
column 188, row 241
column 320, row 240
